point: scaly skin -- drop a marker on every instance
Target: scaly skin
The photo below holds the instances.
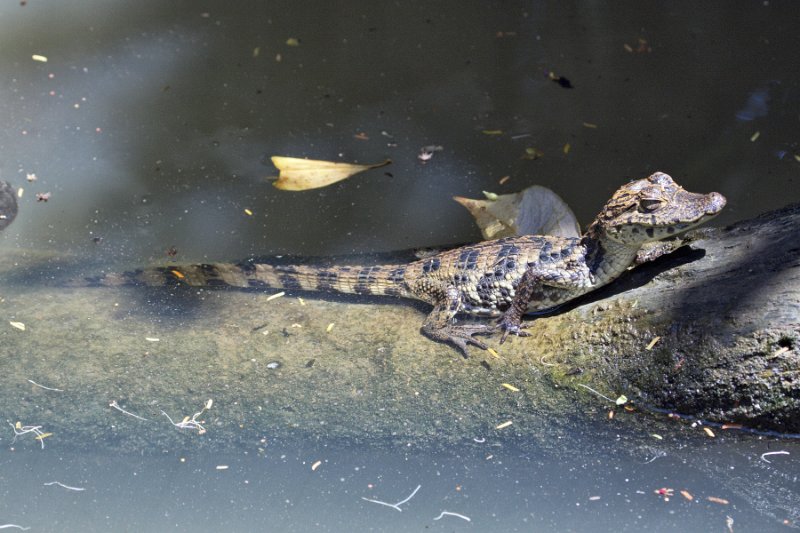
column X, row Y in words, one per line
column 504, row 278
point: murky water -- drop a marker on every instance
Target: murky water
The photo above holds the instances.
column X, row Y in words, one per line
column 151, row 125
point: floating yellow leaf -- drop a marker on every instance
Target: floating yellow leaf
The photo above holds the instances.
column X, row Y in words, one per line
column 43, row 436
column 709, row 432
column 298, row 174
column 39, row 58
column 18, row 325
column 510, row 387
column 492, row 132
column 293, row 41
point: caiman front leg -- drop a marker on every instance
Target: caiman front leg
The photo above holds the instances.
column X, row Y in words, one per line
column 531, row 288
column 439, row 325
column 511, row 321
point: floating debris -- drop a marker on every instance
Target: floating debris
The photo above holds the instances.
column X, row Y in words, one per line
column 43, row 387
column 714, row 499
column 685, row 494
column 39, row 58
column 315, row 466
column 709, row 432
column 76, row 489
column 561, row 80
column 781, row 452
column 504, row 424
column 448, row 513
column 510, row 387
column 275, row 296
column 394, row 505
column 19, row 325
column 532, row 154
column 116, row 406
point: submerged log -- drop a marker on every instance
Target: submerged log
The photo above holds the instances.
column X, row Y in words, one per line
column 724, row 311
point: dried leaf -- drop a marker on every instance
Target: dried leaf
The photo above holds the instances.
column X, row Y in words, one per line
column 298, row 174
column 18, row 325
column 534, row 211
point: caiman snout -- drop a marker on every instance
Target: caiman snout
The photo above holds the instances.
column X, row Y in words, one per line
column 715, row 203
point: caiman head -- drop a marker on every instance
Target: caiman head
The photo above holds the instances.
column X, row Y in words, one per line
column 654, row 208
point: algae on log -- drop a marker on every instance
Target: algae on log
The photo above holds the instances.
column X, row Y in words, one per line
column 726, row 310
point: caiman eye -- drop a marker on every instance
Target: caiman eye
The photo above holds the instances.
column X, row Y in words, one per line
column 648, row 205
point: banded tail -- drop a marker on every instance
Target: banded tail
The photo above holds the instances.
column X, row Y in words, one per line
column 388, row 280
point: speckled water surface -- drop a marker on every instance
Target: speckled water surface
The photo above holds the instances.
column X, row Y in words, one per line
column 145, row 137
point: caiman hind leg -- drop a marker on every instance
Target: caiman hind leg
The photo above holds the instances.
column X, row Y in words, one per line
column 439, row 325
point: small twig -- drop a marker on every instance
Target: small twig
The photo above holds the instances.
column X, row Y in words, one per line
column 394, row 505
column 781, row 452
column 594, row 391
column 541, row 360
column 448, row 513
column 43, row 387
column 64, row 486
column 191, row 423
column 116, row 406
column 19, row 429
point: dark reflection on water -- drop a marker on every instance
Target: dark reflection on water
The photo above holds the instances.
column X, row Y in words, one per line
column 151, row 124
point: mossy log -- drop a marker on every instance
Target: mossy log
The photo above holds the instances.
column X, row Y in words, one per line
column 724, row 309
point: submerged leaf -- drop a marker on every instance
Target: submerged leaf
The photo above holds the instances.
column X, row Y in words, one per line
column 534, row 211
column 302, row 174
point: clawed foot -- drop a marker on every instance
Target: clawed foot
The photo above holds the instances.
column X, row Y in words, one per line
column 462, row 335
column 511, row 326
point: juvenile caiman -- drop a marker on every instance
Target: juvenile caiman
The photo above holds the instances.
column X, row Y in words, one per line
column 504, row 278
